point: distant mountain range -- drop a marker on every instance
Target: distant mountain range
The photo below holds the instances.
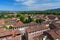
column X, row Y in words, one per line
column 51, row 10
column 54, row 10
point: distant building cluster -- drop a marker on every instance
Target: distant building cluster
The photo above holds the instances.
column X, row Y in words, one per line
column 49, row 29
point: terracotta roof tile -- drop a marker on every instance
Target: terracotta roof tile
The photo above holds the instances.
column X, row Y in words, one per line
column 2, row 30
column 36, row 28
column 13, row 21
column 9, row 32
column 2, row 22
column 52, row 16
column 55, row 33
column 56, row 24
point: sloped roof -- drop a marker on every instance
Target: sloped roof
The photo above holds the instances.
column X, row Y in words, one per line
column 55, row 33
column 9, row 32
column 36, row 28
column 52, row 17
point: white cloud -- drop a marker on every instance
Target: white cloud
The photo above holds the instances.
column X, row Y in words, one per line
column 29, row 2
column 33, row 5
column 44, row 6
column 46, row 0
column 26, row 2
column 57, row 0
column 19, row 0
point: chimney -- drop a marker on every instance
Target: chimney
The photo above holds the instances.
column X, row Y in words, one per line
column 13, row 33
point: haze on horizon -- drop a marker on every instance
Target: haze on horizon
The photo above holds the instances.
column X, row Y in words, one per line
column 28, row 5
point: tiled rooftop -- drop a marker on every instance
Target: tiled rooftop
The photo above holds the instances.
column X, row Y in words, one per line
column 37, row 28
column 2, row 22
column 9, row 32
column 13, row 21
column 55, row 33
column 56, row 24
column 52, row 16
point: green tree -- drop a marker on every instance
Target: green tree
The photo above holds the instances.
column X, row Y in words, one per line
column 8, row 27
column 39, row 20
column 29, row 19
column 21, row 16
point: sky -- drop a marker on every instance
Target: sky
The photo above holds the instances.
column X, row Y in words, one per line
column 28, row 5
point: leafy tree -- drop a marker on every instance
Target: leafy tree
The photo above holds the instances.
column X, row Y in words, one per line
column 21, row 16
column 1, row 16
column 29, row 20
column 8, row 27
column 18, row 15
column 39, row 20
